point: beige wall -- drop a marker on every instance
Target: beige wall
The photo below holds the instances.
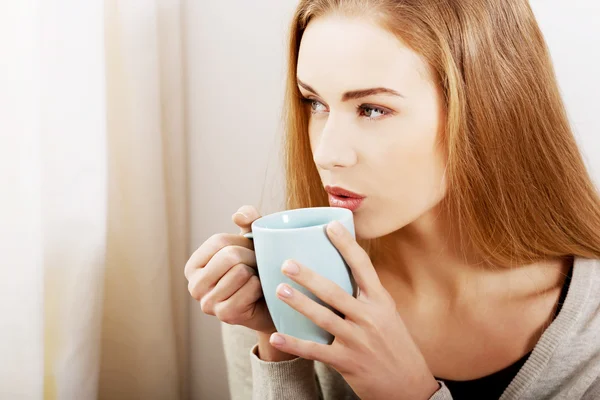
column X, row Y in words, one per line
column 235, row 72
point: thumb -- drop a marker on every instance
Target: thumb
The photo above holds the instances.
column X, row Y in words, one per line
column 244, row 217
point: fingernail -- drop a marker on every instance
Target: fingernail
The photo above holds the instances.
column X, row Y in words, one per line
column 277, row 340
column 336, row 228
column 285, row 291
column 242, row 214
column 290, row 268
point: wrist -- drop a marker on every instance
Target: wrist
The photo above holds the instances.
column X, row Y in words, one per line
column 266, row 352
column 430, row 387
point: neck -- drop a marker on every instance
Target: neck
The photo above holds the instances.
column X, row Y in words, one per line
column 429, row 263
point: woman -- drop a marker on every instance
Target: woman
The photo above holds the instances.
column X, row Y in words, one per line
column 480, row 225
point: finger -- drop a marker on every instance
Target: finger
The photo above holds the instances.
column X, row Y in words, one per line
column 317, row 313
column 244, row 217
column 357, row 259
column 225, row 259
column 242, row 305
column 304, row 348
column 229, row 284
column 211, row 247
column 327, row 291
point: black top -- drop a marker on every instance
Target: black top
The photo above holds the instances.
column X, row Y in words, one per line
column 492, row 386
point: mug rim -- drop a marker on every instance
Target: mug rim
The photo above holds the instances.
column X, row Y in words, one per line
column 343, row 213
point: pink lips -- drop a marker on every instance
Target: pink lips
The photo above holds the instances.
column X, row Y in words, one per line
column 340, row 197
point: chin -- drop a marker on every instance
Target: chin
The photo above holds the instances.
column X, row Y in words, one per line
column 377, row 225
column 367, row 228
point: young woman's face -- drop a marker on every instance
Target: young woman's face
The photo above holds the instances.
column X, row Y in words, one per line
column 375, row 119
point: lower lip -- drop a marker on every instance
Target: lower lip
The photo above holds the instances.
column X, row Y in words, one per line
column 351, row 204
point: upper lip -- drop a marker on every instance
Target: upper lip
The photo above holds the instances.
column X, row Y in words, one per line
column 338, row 191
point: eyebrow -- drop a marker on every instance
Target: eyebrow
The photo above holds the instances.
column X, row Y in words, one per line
column 355, row 94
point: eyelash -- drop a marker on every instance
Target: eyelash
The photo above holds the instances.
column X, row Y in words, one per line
column 383, row 111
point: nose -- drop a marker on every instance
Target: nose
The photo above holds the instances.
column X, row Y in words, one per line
column 333, row 148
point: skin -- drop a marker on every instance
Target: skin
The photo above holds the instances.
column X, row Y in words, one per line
column 469, row 320
column 431, row 308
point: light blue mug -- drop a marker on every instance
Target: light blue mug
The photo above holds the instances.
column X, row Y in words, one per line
column 300, row 235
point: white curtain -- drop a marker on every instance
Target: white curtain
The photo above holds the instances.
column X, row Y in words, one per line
column 93, row 209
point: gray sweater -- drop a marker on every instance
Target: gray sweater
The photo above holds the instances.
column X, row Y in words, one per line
column 565, row 363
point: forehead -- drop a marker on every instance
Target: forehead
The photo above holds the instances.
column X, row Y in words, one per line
column 342, row 52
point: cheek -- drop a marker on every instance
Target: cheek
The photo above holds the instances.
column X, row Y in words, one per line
column 315, row 128
column 314, row 134
column 412, row 162
column 409, row 175
column 415, row 159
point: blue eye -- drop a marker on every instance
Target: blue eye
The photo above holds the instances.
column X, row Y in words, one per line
column 372, row 112
column 317, row 107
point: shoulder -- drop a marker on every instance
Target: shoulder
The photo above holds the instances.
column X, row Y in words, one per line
column 566, row 360
column 582, row 305
column 579, row 328
column 587, row 272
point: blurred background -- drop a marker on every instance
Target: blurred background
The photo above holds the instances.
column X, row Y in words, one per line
column 130, row 131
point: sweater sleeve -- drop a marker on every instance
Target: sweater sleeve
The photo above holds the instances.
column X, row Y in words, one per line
column 237, row 342
column 443, row 393
column 294, row 379
column 252, row 378
column 593, row 392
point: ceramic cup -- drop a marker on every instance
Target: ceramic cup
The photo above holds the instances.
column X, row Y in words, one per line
column 300, row 235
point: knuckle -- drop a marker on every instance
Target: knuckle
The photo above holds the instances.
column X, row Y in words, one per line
column 227, row 314
column 189, row 268
column 242, row 272
column 186, row 271
column 254, row 287
column 312, row 350
column 230, row 255
column 328, row 297
column 346, row 363
column 368, row 319
column 230, row 320
column 219, row 240
column 376, row 320
column 194, row 289
column 207, row 306
column 211, row 246
column 326, row 321
column 255, row 282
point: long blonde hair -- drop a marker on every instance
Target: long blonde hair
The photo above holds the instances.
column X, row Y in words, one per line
column 517, row 186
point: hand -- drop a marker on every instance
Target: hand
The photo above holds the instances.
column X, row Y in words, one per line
column 222, row 276
column 372, row 350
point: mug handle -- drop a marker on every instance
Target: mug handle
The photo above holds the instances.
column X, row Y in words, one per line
column 250, row 236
